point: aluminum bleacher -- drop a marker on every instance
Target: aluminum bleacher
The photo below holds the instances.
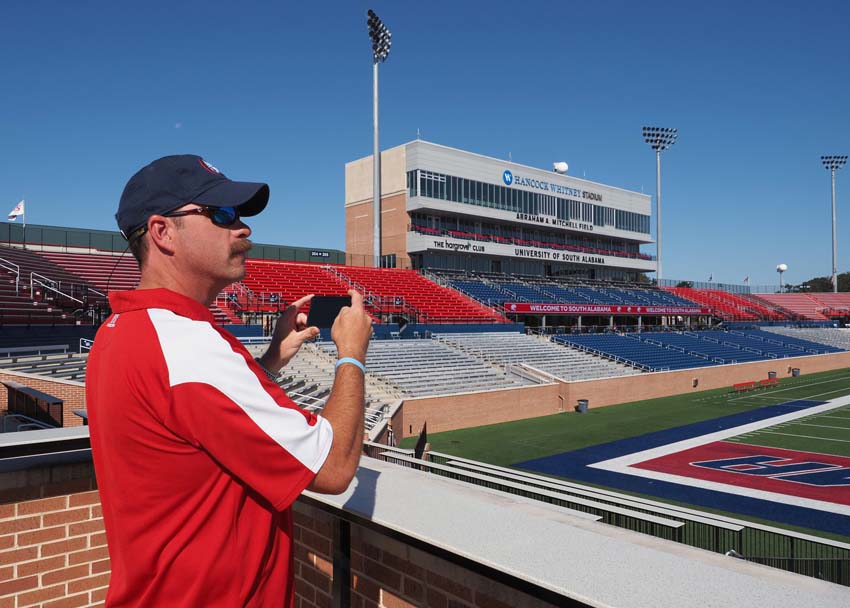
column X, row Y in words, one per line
column 507, row 348
column 781, row 346
column 829, row 336
column 421, row 368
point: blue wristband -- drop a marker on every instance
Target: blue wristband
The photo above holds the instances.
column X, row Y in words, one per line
column 351, row 360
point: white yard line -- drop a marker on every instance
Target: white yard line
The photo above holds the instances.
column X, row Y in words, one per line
column 823, row 426
column 806, row 436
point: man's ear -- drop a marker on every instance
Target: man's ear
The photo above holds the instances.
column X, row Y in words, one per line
column 161, row 231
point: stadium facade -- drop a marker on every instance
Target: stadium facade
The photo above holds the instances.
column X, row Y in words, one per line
column 447, row 208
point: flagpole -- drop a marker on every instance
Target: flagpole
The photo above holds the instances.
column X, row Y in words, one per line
column 24, row 215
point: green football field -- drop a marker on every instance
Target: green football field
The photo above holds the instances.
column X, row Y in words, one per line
column 511, row 442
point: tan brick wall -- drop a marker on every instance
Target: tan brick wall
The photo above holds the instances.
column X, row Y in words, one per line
column 73, row 394
column 388, row 573
column 394, row 223
column 52, row 542
column 475, row 409
column 358, row 234
column 358, row 208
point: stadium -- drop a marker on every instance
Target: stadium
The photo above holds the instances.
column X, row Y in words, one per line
column 524, row 368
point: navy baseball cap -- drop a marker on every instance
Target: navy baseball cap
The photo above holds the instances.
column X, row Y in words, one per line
column 170, row 182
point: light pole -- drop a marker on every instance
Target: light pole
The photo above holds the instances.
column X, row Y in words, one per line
column 659, row 138
column 381, row 42
column 780, row 269
column 833, row 163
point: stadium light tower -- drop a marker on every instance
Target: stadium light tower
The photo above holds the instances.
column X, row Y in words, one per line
column 381, row 42
column 780, row 269
column 659, row 138
column 833, row 163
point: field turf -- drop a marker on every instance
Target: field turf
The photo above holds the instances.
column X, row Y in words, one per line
column 512, row 442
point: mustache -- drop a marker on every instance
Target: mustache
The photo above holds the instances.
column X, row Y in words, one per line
column 241, row 246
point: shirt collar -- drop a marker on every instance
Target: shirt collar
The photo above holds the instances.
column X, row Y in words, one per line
column 141, row 299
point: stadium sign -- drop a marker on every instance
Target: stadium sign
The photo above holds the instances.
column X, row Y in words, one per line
column 519, row 180
column 554, row 221
column 601, row 309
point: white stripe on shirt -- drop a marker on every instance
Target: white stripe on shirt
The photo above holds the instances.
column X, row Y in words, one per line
column 195, row 352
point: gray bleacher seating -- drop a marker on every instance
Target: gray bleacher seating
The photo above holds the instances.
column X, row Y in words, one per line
column 507, row 348
column 829, row 336
column 422, row 368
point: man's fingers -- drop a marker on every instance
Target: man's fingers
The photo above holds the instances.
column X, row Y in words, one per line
column 301, row 320
column 356, row 298
column 299, row 303
column 307, row 334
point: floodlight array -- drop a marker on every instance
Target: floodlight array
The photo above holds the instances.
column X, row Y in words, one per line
column 833, row 162
column 660, row 138
column 380, row 35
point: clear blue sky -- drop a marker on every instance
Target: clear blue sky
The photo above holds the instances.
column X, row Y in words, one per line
column 282, row 92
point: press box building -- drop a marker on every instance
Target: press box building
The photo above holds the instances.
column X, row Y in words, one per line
column 447, row 208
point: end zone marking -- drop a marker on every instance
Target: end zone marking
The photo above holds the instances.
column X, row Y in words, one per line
column 623, row 464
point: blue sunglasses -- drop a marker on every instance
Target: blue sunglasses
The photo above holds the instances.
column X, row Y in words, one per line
column 224, row 217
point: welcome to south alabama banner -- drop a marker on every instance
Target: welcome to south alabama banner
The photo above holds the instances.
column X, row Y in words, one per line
column 601, row 309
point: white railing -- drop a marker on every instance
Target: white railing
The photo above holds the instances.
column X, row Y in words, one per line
column 13, row 268
column 48, row 284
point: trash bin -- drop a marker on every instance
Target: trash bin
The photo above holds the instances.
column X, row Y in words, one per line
column 581, row 408
column 771, row 374
column 795, row 372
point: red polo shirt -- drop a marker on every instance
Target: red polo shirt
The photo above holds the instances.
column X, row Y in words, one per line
column 198, row 458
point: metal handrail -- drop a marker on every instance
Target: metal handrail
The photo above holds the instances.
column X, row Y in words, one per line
column 48, row 283
column 12, row 267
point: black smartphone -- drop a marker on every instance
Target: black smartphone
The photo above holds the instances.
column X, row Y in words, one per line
column 324, row 309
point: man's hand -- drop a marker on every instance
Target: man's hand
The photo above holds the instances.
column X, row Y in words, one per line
column 352, row 329
column 290, row 333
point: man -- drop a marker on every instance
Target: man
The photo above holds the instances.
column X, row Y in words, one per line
column 198, row 453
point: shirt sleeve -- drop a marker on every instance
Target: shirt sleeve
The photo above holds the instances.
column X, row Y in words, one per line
column 222, row 403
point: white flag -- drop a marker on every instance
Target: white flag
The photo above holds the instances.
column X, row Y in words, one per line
column 18, row 210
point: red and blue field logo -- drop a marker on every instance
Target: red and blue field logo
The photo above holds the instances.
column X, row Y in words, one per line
column 802, row 474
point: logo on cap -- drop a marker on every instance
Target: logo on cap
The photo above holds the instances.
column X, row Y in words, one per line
column 209, row 167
